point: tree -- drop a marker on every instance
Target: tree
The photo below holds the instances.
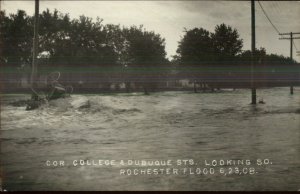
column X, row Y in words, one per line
column 259, row 57
column 199, row 46
column 16, row 38
column 82, row 43
column 226, row 43
column 199, row 50
column 145, row 53
column 77, row 42
column 273, row 59
column 194, row 51
column 54, row 35
column 117, row 40
column 195, row 47
column 89, row 42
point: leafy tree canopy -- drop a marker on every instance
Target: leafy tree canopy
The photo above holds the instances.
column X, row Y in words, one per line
column 195, row 46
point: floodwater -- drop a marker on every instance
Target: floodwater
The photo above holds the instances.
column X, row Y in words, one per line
column 162, row 126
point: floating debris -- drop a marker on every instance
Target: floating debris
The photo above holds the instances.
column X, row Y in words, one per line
column 56, row 91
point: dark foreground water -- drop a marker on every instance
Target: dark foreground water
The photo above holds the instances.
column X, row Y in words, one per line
column 163, row 126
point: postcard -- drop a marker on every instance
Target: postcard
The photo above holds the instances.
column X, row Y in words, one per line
column 150, row 95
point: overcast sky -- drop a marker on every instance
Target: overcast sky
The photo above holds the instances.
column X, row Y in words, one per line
column 169, row 18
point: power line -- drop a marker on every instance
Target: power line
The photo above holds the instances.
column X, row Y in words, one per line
column 276, row 29
column 276, row 7
column 295, row 46
column 265, row 13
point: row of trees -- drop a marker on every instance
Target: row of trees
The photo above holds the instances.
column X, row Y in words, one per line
column 223, row 46
column 83, row 43
column 80, row 43
column 77, row 41
column 199, row 45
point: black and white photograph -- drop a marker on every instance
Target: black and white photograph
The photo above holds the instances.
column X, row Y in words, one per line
column 149, row 95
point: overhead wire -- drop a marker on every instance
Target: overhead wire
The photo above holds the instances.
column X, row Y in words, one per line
column 295, row 46
column 281, row 5
column 276, row 29
column 265, row 13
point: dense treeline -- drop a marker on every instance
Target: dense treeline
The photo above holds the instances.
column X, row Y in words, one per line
column 77, row 41
column 223, row 46
column 80, row 43
column 205, row 57
column 116, row 51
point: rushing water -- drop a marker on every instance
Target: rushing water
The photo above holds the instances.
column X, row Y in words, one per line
column 161, row 126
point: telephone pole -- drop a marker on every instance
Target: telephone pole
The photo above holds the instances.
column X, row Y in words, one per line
column 35, row 45
column 291, row 48
column 253, row 89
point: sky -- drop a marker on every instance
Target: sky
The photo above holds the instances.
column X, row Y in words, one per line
column 169, row 18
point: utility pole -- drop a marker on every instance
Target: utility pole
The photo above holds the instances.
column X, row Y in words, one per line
column 35, row 45
column 291, row 49
column 253, row 89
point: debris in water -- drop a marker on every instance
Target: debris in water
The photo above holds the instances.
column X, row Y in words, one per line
column 56, row 91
